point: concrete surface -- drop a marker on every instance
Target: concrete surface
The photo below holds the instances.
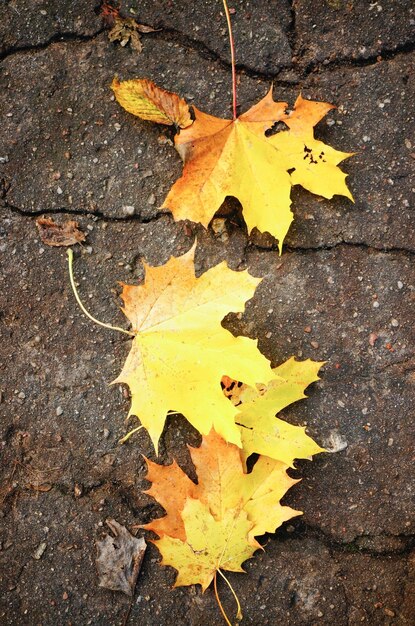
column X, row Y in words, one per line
column 343, row 291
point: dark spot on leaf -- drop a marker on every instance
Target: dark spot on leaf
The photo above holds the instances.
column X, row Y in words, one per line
column 277, row 127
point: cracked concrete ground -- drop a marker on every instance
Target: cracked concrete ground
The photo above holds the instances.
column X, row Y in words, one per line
column 343, row 291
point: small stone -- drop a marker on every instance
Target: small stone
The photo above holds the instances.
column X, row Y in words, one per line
column 65, row 596
column 400, row 284
column 314, row 344
column 375, row 304
column 59, row 191
column 372, row 338
column 128, row 209
column 151, row 199
column 390, row 441
column 38, row 553
column 59, row 411
column 307, row 329
column 117, row 127
column 21, row 395
column 77, row 490
column 268, row 335
column 106, row 433
column 389, row 612
column 394, row 323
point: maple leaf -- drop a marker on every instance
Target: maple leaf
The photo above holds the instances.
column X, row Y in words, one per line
column 210, row 544
column 181, row 351
column 225, row 157
column 235, row 158
column 144, row 99
column 312, row 163
column 212, row 525
column 261, row 431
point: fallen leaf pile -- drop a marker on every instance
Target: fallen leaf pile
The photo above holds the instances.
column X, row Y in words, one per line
column 235, row 158
column 182, row 360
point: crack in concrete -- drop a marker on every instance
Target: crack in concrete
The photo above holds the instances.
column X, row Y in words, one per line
column 99, row 215
column 95, row 215
column 307, row 530
column 327, row 247
column 172, row 35
column 63, row 37
column 385, row 54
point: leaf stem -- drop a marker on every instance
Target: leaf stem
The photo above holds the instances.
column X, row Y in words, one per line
column 232, row 44
column 222, row 610
column 83, row 309
column 128, row 435
column 238, row 605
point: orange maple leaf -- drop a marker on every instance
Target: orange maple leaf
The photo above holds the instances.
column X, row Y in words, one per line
column 225, row 157
column 231, row 506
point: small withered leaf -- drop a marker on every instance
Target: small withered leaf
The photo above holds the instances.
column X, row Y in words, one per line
column 126, row 29
column 119, row 559
column 53, row 234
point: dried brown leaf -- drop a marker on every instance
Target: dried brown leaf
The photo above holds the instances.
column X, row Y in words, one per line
column 53, row 234
column 119, row 559
column 126, row 29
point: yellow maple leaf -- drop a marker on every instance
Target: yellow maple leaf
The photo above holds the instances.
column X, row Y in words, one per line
column 212, row 525
column 143, row 98
column 261, row 431
column 312, row 163
column 210, row 545
column 225, row 157
column 231, row 158
column 181, row 351
column 222, row 485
